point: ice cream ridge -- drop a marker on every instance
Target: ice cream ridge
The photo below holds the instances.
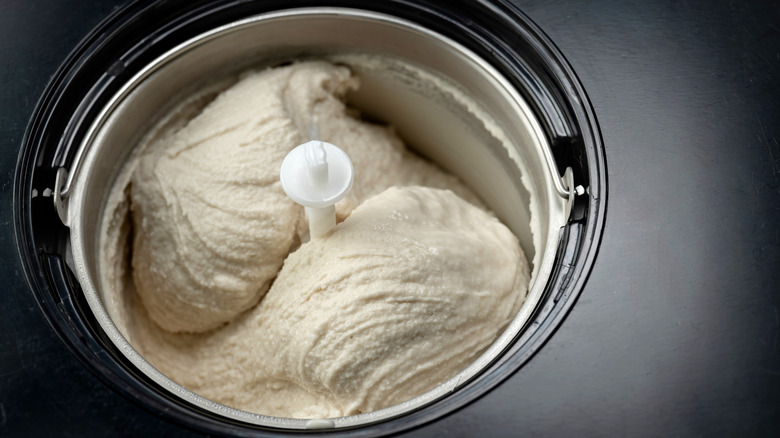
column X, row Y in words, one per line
column 234, row 290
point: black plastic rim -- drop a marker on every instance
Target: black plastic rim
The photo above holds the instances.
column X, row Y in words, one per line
column 133, row 36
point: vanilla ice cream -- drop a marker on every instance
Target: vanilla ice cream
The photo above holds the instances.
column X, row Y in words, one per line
column 216, row 289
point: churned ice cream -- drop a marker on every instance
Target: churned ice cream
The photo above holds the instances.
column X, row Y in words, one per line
column 207, row 268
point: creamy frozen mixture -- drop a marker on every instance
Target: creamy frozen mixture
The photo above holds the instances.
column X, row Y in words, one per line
column 207, row 269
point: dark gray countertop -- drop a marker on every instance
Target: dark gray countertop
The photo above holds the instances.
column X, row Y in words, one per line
column 677, row 331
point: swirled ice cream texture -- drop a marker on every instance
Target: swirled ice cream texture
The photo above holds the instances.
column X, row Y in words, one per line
column 410, row 287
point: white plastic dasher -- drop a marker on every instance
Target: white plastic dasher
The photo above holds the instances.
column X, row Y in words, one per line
column 316, row 175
